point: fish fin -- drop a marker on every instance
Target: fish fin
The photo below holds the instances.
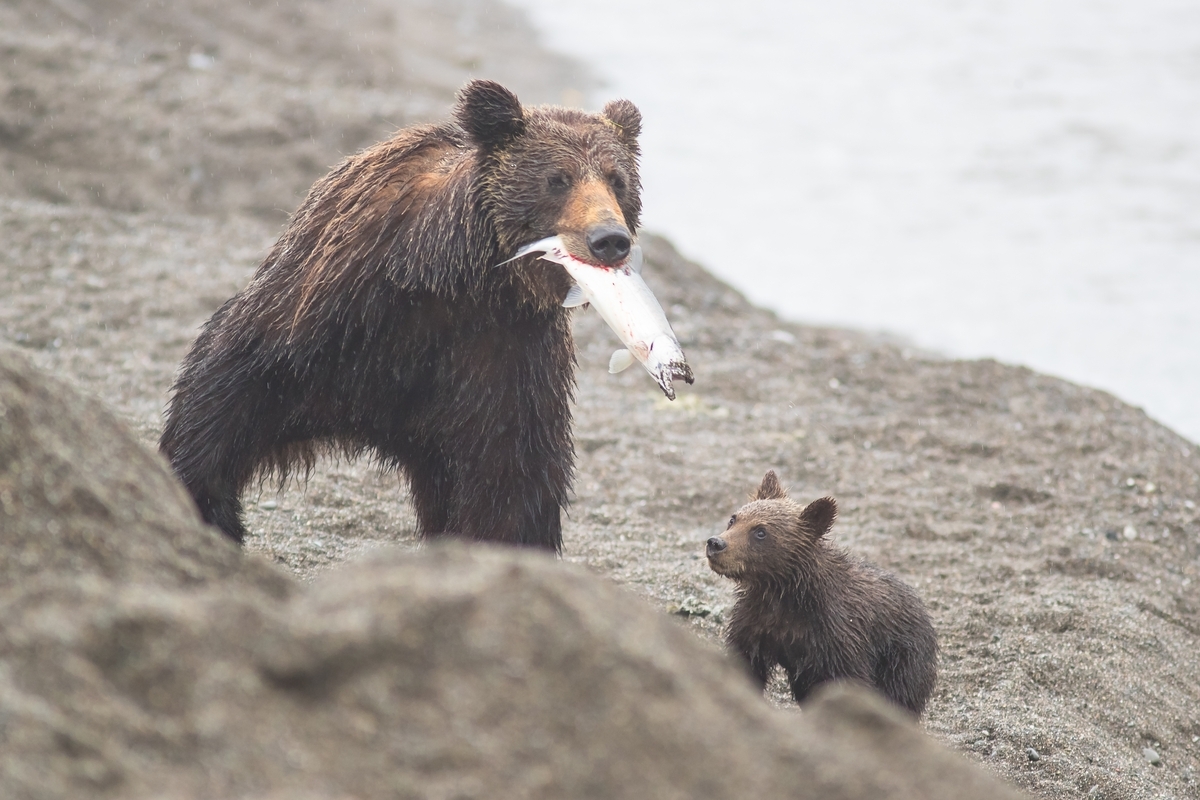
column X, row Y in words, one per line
column 574, row 297
column 621, row 360
column 635, row 259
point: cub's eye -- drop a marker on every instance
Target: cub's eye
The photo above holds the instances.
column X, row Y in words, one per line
column 732, row 520
column 616, row 182
column 759, row 533
column 559, row 181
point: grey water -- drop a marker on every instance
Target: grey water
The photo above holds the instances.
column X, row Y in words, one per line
column 1017, row 179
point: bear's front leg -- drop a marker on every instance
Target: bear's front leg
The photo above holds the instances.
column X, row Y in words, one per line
column 224, row 421
column 752, row 648
column 504, row 455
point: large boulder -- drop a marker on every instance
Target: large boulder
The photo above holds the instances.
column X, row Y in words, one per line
column 141, row 655
column 80, row 496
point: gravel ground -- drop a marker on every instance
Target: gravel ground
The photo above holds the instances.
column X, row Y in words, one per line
column 147, row 156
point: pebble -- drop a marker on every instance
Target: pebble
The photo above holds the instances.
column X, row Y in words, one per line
column 691, row 606
column 1034, row 755
column 783, row 336
column 1152, row 756
column 1130, row 532
column 268, row 505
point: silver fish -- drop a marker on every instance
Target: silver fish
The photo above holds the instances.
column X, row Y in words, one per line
column 626, row 303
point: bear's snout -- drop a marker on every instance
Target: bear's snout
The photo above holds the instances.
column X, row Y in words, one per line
column 715, row 545
column 609, row 244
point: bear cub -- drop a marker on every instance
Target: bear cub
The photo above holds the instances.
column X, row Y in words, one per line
column 814, row 609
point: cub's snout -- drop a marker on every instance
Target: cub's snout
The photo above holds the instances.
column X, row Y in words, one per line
column 716, row 546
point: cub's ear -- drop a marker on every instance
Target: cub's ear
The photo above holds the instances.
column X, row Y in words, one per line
column 819, row 515
column 771, row 488
column 627, row 118
column 490, row 114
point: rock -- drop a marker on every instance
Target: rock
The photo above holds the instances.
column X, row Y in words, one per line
column 1032, row 755
column 1151, row 755
column 896, row 759
column 72, row 476
column 449, row 673
column 141, row 655
column 692, row 606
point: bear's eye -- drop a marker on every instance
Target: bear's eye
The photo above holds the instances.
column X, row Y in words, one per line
column 759, row 533
column 732, row 520
column 616, row 182
column 559, row 181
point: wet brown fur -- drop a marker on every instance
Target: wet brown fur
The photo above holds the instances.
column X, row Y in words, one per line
column 816, row 610
column 380, row 322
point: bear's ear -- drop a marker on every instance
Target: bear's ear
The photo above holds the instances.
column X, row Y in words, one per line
column 819, row 515
column 770, row 489
column 490, row 114
column 627, row 118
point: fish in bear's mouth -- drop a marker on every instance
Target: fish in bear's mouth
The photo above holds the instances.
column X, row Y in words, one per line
column 626, row 303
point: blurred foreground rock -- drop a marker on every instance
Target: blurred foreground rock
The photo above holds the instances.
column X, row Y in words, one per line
column 141, row 655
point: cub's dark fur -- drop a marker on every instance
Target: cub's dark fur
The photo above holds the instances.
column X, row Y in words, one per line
column 379, row 322
column 814, row 609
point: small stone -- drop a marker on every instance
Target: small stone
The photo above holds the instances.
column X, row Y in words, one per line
column 200, row 61
column 268, row 505
column 783, row 336
column 692, row 607
column 1130, row 532
column 1152, row 756
column 1034, row 755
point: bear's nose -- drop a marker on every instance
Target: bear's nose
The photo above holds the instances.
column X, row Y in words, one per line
column 609, row 244
column 716, row 545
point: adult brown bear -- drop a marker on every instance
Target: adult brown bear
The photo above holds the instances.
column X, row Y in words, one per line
column 380, row 322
